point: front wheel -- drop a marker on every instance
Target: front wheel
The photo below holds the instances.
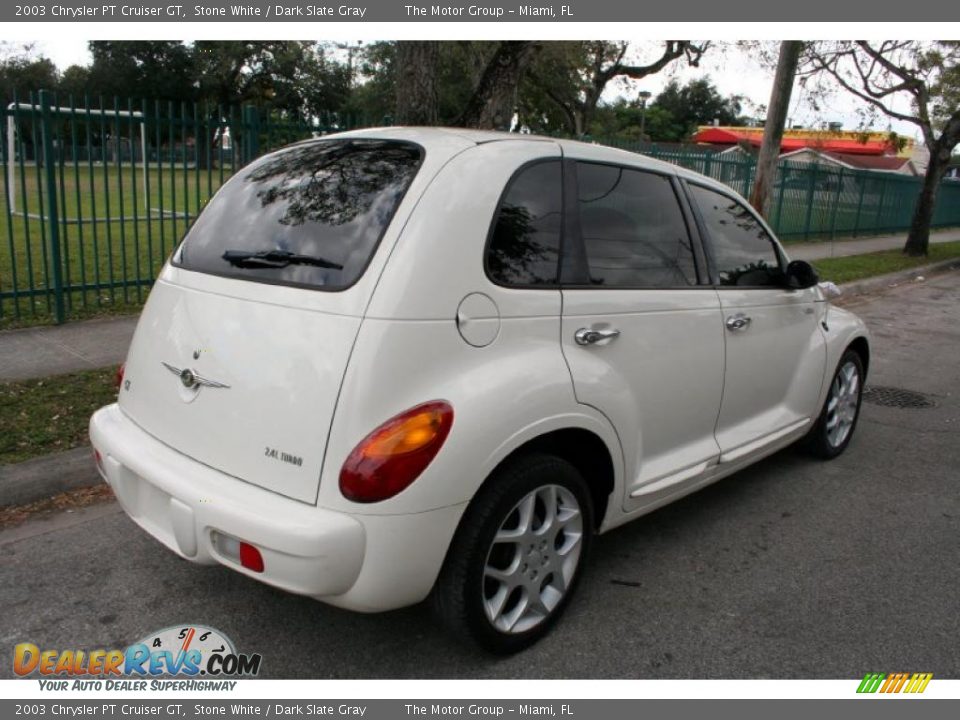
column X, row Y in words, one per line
column 841, row 410
column 515, row 559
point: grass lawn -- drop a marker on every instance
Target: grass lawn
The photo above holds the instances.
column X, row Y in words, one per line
column 39, row 417
column 857, row 267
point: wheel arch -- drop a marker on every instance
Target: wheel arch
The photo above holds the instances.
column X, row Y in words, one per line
column 582, row 448
column 861, row 346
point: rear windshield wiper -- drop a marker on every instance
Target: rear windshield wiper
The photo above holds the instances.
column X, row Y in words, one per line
column 275, row 259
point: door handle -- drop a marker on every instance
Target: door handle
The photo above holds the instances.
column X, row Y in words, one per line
column 738, row 322
column 586, row 336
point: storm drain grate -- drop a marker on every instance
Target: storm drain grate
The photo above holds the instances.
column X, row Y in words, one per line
column 896, row 397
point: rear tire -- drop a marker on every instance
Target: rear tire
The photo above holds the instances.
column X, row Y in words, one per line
column 517, row 556
column 841, row 410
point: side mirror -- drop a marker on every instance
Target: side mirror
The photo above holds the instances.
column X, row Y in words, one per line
column 801, row 275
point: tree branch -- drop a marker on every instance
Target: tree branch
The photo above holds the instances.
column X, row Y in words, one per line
column 673, row 50
column 832, row 69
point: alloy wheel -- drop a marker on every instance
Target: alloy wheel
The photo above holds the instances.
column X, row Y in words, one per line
column 843, row 404
column 532, row 559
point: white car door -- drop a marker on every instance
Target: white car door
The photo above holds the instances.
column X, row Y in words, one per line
column 641, row 333
column 774, row 348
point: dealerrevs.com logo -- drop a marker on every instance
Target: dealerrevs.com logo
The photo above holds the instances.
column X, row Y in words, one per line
column 888, row 683
column 184, row 651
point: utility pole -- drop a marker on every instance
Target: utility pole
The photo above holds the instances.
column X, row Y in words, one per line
column 773, row 128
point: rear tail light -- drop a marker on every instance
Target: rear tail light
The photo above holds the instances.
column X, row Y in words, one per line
column 98, row 459
column 395, row 454
column 118, row 378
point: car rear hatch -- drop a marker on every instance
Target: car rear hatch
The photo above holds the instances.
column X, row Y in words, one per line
column 240, row 352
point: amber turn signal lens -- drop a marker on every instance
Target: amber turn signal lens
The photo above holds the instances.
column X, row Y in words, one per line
column 391, row 457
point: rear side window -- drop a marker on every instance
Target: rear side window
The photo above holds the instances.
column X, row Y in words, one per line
column 524, row 247
column 633, row 230
column 743, row 253
column 311, row 215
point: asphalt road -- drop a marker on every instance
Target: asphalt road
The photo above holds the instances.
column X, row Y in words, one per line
column 794, row 568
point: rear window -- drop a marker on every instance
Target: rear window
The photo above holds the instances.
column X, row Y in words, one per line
column 311, row 215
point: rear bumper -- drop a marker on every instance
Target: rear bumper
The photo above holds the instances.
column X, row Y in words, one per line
column 182, row 503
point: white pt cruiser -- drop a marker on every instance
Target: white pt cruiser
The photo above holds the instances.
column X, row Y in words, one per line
column 393, row 364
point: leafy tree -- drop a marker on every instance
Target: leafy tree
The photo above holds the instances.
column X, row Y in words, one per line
column 466, row 83
column 140, row 68
column 928, row 73
column 694, row 104
column 372, row 93
column 23, row 72
column 75, row 82
column 563, row 88
column 628, row 119
column 673, row 116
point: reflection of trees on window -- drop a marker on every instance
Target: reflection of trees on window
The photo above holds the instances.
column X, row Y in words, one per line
column 334, row 183
column 331, row 199
column 524, row 248
column 742, row 218
column 516, row 252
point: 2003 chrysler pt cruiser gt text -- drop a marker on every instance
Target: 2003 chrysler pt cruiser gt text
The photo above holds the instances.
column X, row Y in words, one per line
column 393, row 364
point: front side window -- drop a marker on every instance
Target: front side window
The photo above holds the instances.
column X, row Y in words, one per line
column 524, row 246
column 743, row 252
column 633, row 230
column 311, row 215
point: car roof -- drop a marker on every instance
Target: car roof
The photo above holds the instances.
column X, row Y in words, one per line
column 427, row 136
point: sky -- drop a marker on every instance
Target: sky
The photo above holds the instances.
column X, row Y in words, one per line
column 733, row 71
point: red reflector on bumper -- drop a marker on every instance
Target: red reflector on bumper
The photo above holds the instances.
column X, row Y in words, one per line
column 250, row 557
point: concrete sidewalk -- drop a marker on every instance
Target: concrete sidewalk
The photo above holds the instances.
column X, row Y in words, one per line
column 83, row 345
column 52, row 350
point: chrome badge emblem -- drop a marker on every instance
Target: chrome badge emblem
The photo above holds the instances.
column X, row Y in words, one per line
column 191, row 379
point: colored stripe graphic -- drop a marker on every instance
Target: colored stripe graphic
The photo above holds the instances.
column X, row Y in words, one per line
column 918, row 683
column 871, row 681
column 894, row 683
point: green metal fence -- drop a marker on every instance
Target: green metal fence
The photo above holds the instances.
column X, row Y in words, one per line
column 97, row 192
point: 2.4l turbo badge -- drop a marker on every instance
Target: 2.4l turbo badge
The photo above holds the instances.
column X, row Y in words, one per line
column 282, row 456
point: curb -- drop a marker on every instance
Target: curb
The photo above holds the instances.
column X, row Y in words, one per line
column 48, row 475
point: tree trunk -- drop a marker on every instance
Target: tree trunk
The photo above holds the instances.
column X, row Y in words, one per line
column 579, row 123
column 416, row 85
column 774, row 125
column 918, row 240
column 492, row 105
